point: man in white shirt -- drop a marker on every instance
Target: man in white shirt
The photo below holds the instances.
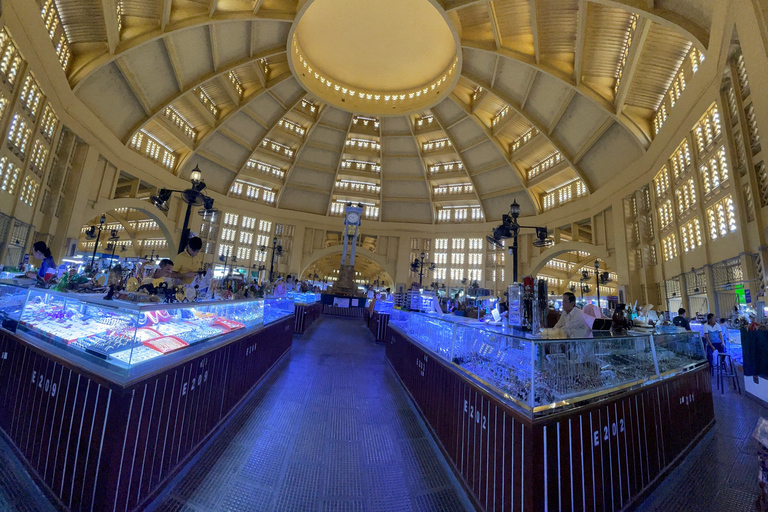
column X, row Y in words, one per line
column 572, row 319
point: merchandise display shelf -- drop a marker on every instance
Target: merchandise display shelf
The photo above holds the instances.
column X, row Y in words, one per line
column 99, row 434
column 549, row 424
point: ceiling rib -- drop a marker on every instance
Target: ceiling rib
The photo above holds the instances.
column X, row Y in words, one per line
column 563, row 107
column 494, row 24
column 298, row 154
column 133, row 85
column 593, row 140
column 338, row 166
column 214, row 47
column 110, row 20
column 581, row 33
column 189, row 91
column 169, row 49
column 630, row 65
column 425, row 168
column 463, row 162
column 535, row 31
column 166, row 15
column 503, row 97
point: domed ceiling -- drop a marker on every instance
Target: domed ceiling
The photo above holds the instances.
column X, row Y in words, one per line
column 422, row 110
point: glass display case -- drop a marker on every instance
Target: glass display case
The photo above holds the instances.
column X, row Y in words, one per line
column 276, row 308
column 12, row 298
column 126, row 334
column 383, row 307
column 304, row 298
column 547, row 374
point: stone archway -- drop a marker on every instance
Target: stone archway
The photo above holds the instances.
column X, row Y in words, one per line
column 597, row 251
column 387, row 269
column 167, row 228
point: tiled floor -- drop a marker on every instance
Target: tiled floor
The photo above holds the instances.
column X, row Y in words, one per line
column 332, row 430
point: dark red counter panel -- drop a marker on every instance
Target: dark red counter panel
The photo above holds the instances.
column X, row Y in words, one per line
column 305, row 315
column 97, row 446
column 598, row 458
column 377, row 323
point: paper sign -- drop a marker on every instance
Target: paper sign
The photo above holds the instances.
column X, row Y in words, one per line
column 354, row 303
column 340, row 302
column 496, row 314
column 748, row 296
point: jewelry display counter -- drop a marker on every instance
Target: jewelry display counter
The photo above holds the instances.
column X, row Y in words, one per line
column 378, row 320
column 308, row 309
column 553, row 424
column 105, row 429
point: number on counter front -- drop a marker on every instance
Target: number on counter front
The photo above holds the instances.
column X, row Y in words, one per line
column 475, row 414
column 614, row 430
column 42, row 382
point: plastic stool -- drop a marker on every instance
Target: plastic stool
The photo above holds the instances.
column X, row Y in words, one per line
column 726, row 370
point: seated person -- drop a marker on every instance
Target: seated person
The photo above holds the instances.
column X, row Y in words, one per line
column 163, row 272
column 572, row 319
column 681, row 321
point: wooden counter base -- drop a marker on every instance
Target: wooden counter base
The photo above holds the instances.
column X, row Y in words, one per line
column 97, row 446
column 600, row 457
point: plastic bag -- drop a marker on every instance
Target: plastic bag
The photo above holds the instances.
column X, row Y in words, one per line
column 761, row 432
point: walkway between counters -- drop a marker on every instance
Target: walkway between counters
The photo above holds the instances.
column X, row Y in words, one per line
column 331, row 430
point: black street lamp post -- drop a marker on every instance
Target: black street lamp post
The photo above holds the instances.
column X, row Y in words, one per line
column 275, row 249
column 113, row 245
column 509, row 228
column 418, row 264
column 192, row 196
column 90, row 234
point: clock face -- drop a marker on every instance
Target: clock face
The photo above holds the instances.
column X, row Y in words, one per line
column 353, row 217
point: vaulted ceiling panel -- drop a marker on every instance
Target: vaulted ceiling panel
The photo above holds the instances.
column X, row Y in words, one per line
column 83, row 20
column 246, row 128
column 268, row 34
column 394, row 126
column 466, row 132
column 303, row 176
column 337, row 118
column 266, row 108
column 304, row 201
column 312, row 155
column 497, row 206
column 482, row 155
column 288, row 91
column 614, row 152
column 513, row 78
column 578, row 123
column 226, row 150
column 479, row 63
column 498, row 179
column 153, row 72
column 475, row 23
column 395, row 188
column 397, row 211
column 401, row 167
column 449, row 112
column 107, row 94
column 397, row 146
column 328, row 136
column 546, row 98
column 231, row 41
column 193, row 51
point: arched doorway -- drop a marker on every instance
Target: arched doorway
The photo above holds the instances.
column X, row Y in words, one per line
column 574, row 271
column 367, row 269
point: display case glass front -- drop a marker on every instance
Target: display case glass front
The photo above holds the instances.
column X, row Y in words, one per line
column 546, row 374
column 127, row 334
column 12, row 300
column 304, row 297
column 276, row 308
